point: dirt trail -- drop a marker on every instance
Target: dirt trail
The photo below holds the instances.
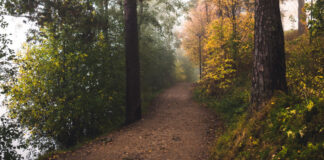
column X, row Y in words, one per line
column 176, row 128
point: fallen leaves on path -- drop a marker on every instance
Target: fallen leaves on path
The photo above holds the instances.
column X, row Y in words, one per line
column 177, row 128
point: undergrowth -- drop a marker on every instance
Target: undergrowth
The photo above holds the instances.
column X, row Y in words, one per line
column 290, row 126
column 147, row 99
column 287, row 128
column 229, row 106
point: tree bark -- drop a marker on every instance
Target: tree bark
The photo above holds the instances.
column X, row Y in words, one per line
column 221, row 16
column 200, row 57
column 269, row 67
column 133, row 93
column 234, row 34
column 301, row 17
column 207, row 12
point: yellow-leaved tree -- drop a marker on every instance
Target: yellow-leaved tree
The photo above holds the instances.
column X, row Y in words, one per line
column 222, row 46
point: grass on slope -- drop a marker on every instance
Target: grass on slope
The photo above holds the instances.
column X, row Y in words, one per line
column 288, row 127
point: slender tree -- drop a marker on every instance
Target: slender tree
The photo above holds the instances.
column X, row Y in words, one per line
column 133, row 94
column 269, row 66
column 301, row 17
column 207, row 12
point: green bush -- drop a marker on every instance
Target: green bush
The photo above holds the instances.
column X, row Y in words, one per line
column 228, row 106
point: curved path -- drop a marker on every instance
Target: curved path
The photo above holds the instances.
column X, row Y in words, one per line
column 176, row 128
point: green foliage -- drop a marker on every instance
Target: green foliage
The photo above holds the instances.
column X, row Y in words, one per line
column 157, row 52
column 157, row 61
column 229, row 106
column 287, row 128
column 66, row 96
column 71, row 81
column 305, row 67
column 316, row 22
column 185, row 71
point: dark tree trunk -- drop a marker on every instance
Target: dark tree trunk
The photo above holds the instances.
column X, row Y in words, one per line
column 207, row 12
column 133, row 93
column 220, row 11
column 221, row 16
column 200, row 57
column 269, row 67
column 311, row 18
column 234, row 30
column 301, row 17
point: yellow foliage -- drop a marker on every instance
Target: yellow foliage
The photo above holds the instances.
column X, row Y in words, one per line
column 304, row 66
column 221, row 63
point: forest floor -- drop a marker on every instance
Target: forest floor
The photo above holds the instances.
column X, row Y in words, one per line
column 175, row 128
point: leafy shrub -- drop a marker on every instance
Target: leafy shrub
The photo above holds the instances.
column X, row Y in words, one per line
column 287, row 128
column 305, row 66
column 316, row 23
column 223, row 63
column 65, row 94
column 229, row 106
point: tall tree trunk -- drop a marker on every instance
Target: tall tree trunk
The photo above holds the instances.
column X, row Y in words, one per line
column 133, row 93
column 269, row 67
column 301, row 17
column 234, row 34
column 106, row 23
column 221, row 16
column 200, row 57
column 311, row 18
column 220, row 11
column 207, row 12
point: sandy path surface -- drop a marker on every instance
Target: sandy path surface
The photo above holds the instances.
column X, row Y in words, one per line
column 176, row 128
